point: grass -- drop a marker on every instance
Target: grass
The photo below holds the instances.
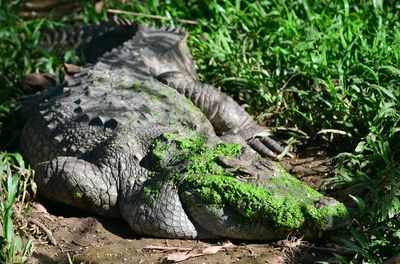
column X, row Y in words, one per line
column 14, row 180
column 20, row 54
column 328, row 68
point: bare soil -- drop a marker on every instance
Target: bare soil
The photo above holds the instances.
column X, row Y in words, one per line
column 84, row 238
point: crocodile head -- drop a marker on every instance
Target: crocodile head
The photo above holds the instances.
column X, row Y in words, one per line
column 232, row 193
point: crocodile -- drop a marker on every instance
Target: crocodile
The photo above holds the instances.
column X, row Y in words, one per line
column 136, row 135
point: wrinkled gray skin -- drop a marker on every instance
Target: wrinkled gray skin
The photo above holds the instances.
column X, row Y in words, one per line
column 88, row 139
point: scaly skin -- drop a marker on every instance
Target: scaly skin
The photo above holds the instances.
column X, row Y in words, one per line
column 121, row 139
column 90, row 41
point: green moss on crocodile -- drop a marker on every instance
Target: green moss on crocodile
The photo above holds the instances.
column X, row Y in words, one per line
column 154, row 98
column 284, row 201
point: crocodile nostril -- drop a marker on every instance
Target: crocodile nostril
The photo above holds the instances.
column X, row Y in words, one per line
column 326, row 202
column 332, row 214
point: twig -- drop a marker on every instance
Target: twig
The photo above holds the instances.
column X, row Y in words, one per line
column 79, row 244
column 44, row 228
column 68, row 250
column 290, row 79
column 116, row 11
column 23, row 195
column 292, row 129
column 181, row 256
column 167, row 248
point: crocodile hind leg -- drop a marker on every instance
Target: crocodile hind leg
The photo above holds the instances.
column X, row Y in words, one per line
column 228, row 118
column 156, row 210
column 77, row 183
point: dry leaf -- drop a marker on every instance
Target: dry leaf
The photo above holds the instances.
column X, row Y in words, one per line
column 178, row 256
column 71, row 69
column 393, row 260
column 211, row 250
column 34, row 82
column 99, row 6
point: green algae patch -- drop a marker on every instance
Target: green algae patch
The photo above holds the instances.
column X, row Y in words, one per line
column 278, row 201
column 193, row 150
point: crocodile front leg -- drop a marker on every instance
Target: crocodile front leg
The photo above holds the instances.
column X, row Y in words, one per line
column 77, row 183
column 228, row 118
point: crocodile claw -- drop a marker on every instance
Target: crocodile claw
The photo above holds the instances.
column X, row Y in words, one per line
column 258, row 139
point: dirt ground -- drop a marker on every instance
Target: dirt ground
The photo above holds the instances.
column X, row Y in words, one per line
column 67, row 235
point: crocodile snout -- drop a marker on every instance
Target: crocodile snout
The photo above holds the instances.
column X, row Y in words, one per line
column 331, row 214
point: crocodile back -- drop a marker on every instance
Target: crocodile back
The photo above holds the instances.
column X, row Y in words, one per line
column 117, row 95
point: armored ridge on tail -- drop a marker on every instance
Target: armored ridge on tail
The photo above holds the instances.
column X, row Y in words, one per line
column 89, row 41
column 136, row 135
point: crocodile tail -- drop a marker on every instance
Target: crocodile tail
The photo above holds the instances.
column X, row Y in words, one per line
column 163, row 49
column 90, row 41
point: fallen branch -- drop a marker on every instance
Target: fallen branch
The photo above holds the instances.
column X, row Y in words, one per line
column 116, row 11
column 44, row 228
column 186, row 253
